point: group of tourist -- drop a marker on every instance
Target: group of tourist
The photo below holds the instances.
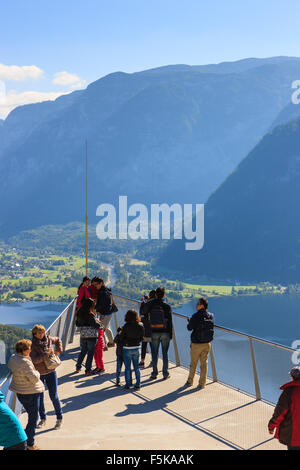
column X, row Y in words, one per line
column 95, row 306
column 32, row 370
column 152, row 327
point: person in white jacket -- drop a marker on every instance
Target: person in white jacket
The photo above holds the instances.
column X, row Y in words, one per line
column 27, row 385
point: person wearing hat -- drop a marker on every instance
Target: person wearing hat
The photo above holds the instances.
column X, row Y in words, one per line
column 286, row 416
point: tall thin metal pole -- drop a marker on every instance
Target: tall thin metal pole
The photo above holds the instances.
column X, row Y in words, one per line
column 86, row 208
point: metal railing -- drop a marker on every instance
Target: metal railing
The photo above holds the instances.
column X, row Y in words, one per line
column 63, row 327
column 246, row 363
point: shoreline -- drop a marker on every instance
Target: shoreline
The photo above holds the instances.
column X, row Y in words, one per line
column 215, row 296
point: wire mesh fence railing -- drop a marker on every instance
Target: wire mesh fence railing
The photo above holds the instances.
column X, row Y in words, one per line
column 248, row 364
column 251, row 365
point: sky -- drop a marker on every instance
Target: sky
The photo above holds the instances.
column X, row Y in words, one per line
column 48, row 48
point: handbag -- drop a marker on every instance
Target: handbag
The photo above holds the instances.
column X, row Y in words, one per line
column 52, row 362
column 114, row 308
column 88, row 332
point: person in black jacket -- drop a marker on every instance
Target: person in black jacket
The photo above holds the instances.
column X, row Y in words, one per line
column 86, row 317
column 159, row 315
column 104, row 307
column 145, row 321
column 202, row 326
column 131, row 336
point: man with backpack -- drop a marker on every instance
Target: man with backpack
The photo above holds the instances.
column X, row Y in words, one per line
column 104, row 307
column 159, row 315
column 202, row 326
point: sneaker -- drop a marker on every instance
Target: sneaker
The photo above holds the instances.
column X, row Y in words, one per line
column 34, row 447
column 98, row 371
column 58, row 424
column 77, row 371
column 187, row 384
column 87, row 374
column 41, row 423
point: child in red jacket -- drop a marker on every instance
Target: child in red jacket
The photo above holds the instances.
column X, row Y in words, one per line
column 98, row 354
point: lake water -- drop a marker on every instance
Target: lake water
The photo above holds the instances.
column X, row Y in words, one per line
column 27, row 314
column 272, row 317
column 275, row 318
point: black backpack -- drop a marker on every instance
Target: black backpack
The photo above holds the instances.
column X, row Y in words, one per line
column 104, row 302
column 156, row 315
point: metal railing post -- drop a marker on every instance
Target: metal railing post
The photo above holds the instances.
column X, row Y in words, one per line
column 73, row 321
column 177, row 357
column 58, row 327
column 255, row 375
column 14, row 402
column 66, row 329
column 116, row 321
column 213, row 365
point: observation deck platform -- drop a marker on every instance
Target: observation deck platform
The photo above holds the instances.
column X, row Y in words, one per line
column 162, row 415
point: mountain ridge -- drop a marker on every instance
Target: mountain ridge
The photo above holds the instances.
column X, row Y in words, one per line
column 150, row 136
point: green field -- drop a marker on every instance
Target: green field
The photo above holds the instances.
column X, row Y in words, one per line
column 138, row 262
column 43, row 280
column 56, row 277
column 196, row 290
column 52, row 292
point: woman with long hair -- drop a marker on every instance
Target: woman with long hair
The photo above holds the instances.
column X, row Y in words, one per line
column 83, row 291
column 89, row 326
column 41, row 350
column 131, row 337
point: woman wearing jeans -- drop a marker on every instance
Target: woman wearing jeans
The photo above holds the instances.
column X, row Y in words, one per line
column 131, row 336
column 89, row 326
column 27, row 385
column 42, row 349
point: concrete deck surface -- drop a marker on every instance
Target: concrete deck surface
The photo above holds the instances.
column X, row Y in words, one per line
column 162, row 415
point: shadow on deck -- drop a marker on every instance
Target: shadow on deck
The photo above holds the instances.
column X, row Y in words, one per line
column 162, row 415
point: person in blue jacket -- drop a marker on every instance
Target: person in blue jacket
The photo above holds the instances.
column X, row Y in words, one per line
column 12, row 434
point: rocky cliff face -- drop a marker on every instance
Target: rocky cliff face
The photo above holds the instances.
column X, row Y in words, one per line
column 252, row 228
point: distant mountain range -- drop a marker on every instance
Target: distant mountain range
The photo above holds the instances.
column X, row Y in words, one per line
column 252, row 223
column 171, row 134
